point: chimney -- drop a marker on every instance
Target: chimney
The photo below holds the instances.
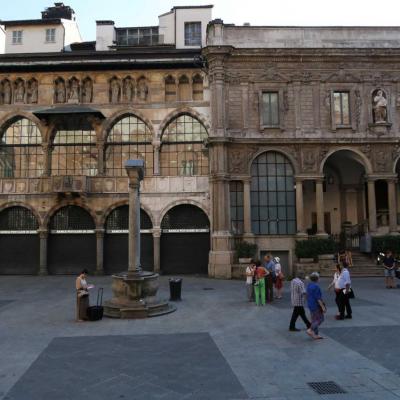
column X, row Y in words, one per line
column 59, row 11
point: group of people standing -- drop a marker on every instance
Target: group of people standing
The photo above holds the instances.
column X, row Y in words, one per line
column 262, row 278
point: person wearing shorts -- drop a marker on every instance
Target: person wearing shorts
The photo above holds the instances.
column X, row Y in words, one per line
column 389, row 269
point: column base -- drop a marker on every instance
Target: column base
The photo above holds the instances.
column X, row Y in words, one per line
column 99, row 273
column 43, row 273
column 394, row 233
column 220, row 265
column 301, row 235
column 322, row 235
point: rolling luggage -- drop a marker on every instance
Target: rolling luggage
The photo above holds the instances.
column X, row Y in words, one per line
column 95, row 313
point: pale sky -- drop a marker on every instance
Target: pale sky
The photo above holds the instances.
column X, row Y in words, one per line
column 257, row 12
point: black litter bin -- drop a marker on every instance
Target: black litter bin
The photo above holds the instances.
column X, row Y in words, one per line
column 175, row 289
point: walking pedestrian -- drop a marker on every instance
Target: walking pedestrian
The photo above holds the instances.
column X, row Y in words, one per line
column 278, row 277
column 316, row 306
column 335, row 285
column 259, row 285
column 389, row 268
column 250, row 278
column 344, row 285
column 269, row 265
column 298, row 293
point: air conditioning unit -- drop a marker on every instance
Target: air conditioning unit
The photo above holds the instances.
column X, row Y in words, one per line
column 69, row 184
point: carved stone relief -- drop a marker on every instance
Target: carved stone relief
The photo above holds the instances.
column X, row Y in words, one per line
column 87, row 90
column 382, row 160
column 19, row 91
column 32, row 91
column 73, row 90
column 309, row 159
column 115, row 90
column 59, row 90
column 6, row 91
column 237, row 161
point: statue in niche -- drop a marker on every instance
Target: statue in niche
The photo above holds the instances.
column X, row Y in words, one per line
column 87, row 91
column 128, row 89
column 19, row 91
column 60, row 92
column 32, row 91
column 73, row 91
column 6, row 92
column 114, row 91
column 379, row 107
column 143, row 90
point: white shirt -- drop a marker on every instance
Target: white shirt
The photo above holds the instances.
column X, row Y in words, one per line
column 278, row 269
column 249, row 278
column 335, row 281
column 344, row 279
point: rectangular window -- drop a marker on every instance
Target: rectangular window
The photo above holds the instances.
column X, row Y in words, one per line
column 341, row 108
column 270, row 109
column 192, row 33
column 236, row 202
column 50, row 35
column 17, row 37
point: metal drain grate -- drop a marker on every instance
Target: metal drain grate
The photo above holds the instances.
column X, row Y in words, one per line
column 328, row 387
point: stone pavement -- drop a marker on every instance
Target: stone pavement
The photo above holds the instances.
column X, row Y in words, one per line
column 215, row 346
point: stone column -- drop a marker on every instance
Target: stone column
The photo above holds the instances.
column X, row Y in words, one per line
column 134, row 169
column 319, row 203
column 43, row 235
column 156, row 154
column 157, row 248
column 100, row 157
column 392, row 205
column 371, row 206
column 300, row 208
column 99, row 251
column 46, row 159
column 246, row 207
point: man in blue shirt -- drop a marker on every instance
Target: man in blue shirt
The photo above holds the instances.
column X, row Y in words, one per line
column 316, row 306
column 269, row 265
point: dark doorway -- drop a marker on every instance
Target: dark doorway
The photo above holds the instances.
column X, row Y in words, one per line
column 185, row 241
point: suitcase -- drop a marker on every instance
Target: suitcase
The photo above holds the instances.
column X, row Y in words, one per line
column 95, row 313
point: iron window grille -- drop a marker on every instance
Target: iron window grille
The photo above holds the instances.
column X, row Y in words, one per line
column 236, row 205
column 192, row 33
column 74, row 153
column 129, row 138
column 118, row 221
column 72, row 219
column 14, row 220
column 273, row 200
column 183, row 151
column 341, row 108
column 21, row 153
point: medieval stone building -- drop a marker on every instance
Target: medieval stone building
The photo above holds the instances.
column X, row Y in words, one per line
column 305, row 135
column 68, row 122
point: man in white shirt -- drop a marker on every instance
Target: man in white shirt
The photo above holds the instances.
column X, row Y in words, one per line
column 344, row 285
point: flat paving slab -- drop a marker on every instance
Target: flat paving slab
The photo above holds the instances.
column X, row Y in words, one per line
column 181, row 366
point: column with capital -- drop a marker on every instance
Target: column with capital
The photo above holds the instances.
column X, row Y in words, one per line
column 371, row 206
column 156, row 248
column 319, row 202
column 392, row 205
column 43, row 236
column 99, row 251
column 300, row 208
column 247, row 207
column 100, row 157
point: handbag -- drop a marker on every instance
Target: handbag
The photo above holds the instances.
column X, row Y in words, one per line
column 351, row 294
column 83, row 293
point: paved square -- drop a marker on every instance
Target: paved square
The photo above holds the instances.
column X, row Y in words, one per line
column 180, row 366
column 4, row 303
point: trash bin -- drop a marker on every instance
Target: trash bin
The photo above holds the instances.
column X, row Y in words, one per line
column 175, row 289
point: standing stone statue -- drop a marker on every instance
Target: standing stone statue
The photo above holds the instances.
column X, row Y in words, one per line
column 73, row 90
column 60, row 92
column 114, row 91
column 6, row 92
column 128, row 89
column 87, row 91
column 143, row 90
column 20, row 91
column 32, row 91
column 380, row 107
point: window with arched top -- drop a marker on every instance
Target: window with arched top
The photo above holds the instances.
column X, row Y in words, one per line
column 273, row 199
column 184, row 88
column 21, row 154
column 74, row 152
column 183, row 150
column 197, row 87
column 129, row 138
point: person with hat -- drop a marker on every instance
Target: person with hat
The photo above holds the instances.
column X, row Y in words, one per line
column 298, row 294
column 278, row 278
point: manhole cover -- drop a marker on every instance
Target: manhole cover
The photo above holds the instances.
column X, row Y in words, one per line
column 326, row 387
column 208, row 288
